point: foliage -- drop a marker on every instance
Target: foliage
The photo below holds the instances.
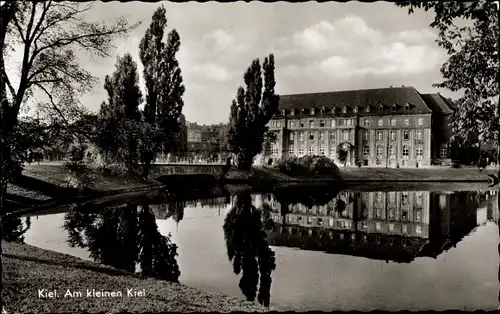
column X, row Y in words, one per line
column 472, row 66
column 308, row 166
column 248, row 249
column 307, row 195
column 123, row 238
column 251, row 111
column 48, row 34
column 120, row 118
column 164, row 86
column 342, row 154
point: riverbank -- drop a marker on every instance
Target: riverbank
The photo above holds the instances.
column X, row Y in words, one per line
column 46, row 184
column 27, row 269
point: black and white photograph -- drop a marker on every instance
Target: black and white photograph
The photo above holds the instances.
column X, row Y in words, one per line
column 249, row 156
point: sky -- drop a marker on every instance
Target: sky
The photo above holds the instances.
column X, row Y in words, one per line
column 317, row 48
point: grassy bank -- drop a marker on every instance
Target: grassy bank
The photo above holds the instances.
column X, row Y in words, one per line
column 434, row 174
column 43, row 184
column 28, row 269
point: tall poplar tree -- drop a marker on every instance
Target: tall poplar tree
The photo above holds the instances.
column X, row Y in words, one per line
column 120, row 116
column 164, row 86
column 251, row 111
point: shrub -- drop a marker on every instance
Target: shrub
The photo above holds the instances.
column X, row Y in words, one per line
column 308, row 166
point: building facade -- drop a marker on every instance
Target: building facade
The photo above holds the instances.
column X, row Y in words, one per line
column 389, row 127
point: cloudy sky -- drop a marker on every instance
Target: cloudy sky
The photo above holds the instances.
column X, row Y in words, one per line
column 317, row 47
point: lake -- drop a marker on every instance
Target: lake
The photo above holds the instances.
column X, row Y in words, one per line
column 302, row 247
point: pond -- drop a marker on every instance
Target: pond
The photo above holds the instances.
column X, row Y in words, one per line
column 301, row 247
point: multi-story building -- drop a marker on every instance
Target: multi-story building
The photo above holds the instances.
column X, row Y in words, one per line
column 394, row 225
column 204, row 143
column 395, row 127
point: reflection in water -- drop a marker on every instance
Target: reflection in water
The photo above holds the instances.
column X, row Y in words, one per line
column 392, row 226
column 248, row 249
column 124, row 237
column 14, row 228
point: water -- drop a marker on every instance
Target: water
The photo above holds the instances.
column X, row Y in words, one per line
column 324, row 249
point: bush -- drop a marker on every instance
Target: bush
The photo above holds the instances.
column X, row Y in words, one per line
column 308, row 166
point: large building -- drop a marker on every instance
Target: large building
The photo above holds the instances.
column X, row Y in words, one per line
column 394, row 127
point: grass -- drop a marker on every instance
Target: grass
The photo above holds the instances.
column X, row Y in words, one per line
column 28, row 269
column 416, row 174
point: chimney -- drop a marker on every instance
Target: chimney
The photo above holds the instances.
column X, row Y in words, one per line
column 402, row 86
column 390, row 86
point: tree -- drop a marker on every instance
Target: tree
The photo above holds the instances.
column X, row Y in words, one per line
column 164, row 86
column 48, row 34
column 472, row 66
column 251, row 111
column 120, row 116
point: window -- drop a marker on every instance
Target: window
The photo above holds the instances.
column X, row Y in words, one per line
column 393, row 122
column 420, row 135
column 405, row 228
column 311, row 136
column 283, row 112
column 301, row 124
column 418, row 198
column 377, row 226
column 333, row 123
column 332, row 151
column 292, row 112
column 379, row 135
column 380, row 122
column 344, row 109
column 301, row 136
column 311, row 124
column 406, row 135
column 406, row 121
column 345, row 135
column 443, row 151
column 418, row 230
column 380, row 150
column 406, row 107
column 322, row 150
column 418, row 215
column 420, row 121
column 366, row 122
column 332, row 136
column 367, row 109
column 348, row 122
column 355, row 109
column 404, row 198
column 312, row 111
column 312, row 150
column 292, row 136
column 393, row 135
column 391, row 227
column 366, row 151
column 406, row 151
column 322, row 123
column 419, row 151
column 366, row 135
column 394, row 108
column 274, row 149
column 392, row 197
column 291, row 150
column 321, row 135
column 301, row 150
column 392, row 151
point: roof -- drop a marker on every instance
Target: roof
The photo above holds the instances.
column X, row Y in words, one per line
column 438, row 104
column 387, row 97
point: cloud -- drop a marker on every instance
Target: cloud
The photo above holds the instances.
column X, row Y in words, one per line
column 211, row 71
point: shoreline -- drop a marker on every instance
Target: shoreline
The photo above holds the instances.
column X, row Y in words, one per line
column 28, row 269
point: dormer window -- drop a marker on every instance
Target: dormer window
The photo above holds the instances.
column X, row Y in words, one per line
column 292, row 112
column 323, row 110
column 367, row 109
column 334, row 110
column 283, row 112
column 303, row 111
column 355, row 109
column 312, row 111
column 407, row 107
column 380, row 107
column 344, row 109
column 394, row 107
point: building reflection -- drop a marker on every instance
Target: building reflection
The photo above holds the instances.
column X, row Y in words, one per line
column 393, row 226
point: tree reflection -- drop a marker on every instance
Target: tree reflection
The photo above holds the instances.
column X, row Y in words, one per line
column 14, row 228
column 248, row 249
column 308, row 195
column 124, row 238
